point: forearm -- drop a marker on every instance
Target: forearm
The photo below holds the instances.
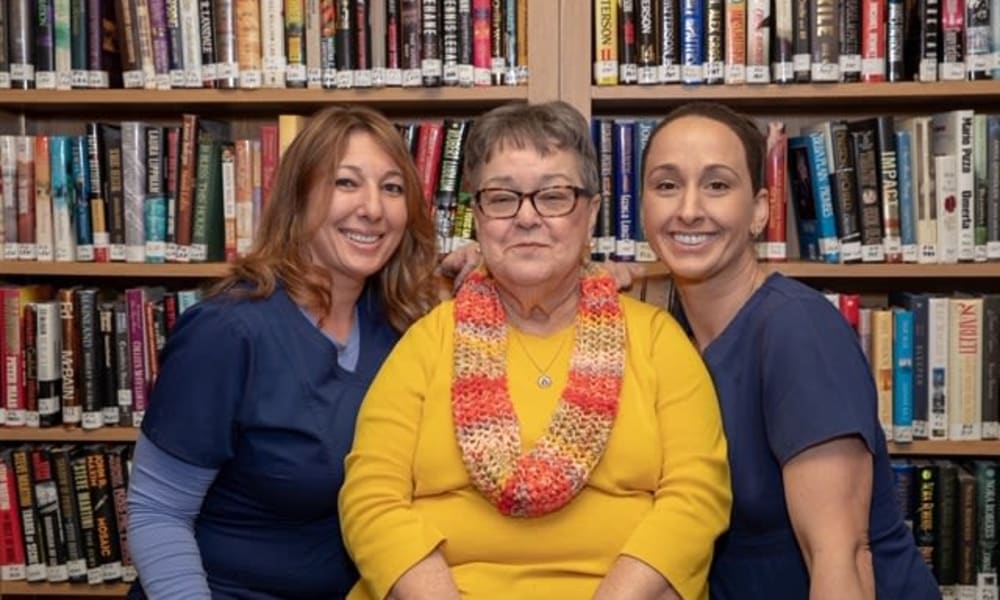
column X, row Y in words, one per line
column 429, row 579
column 164, row 498
column 632, row 579
column 844, row 572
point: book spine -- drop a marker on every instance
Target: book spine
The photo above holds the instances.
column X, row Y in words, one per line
column 430, row 43
column 907, row 197
column 45, row 57
column 986, row 529
column 497, row 62
column 946, row 534
column 11, row 537
column 43, row 200
column 866, row 160
column 449, row 42
column 295, row 43
column 953, row 51
column 446, row 198
column 185, row 190
column 190, row 19
column 929, row 13
column 26, row 197
column 826, row 226
column 227, row 68
column 76, row 563
column 825, row 56
column 978, row 39
column 147, row 49
column 34, row 550
column 362, row 45
column 85, row 304
column 85, row 513
column 69, row 358
column 62, row 44
column 844, row 179
column 889, row 178
column 802, row 29
column 228, row 175
column 248, row 43
column 783, row 56
column 882, row 367
column 902, row 376
column 244, row 196
column 991, row 367
column 112, row 142
column 714, row 42
column 377, row 37
column 22, row 45
column 272, row 35
column 894, row 32
column 118, row 480
column 623, row 139
column 850, row 40
column 107, row 369
column 670, row 52
column 135, row 299
column 8, row 184
column 128, row 44
column 81, row 208
column 123, row 364
column 775, row 246
column 965, row 364
column 758, row 54
column 692, row 42
column 154, row 206
column 605, row 233
column 993, row 186
column 605, row 42
column 873, row 21
column 63, row 234
column 134, row 188
column 49, row 519
column 48, row 364
column 647, row 57
column 96, row 169
column 918, row 305
column 102, row 504
column 736, row 41
column 208, row 49
column 946, row 197
column 980, row 186
column 175, row 44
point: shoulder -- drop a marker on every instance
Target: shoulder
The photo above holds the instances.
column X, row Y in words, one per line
column 788, row 307
column 648, row 320
column 438, row 324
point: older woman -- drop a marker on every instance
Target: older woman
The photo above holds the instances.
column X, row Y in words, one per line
column 539, row 436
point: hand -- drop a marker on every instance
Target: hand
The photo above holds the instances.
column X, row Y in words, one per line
column 625, row 273
column 456, row 265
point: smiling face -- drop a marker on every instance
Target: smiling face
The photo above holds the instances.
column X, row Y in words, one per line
column 698, row 204
column 528, row 253
column 358, row 213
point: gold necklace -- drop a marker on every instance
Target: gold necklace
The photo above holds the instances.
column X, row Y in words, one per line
column 544, row 380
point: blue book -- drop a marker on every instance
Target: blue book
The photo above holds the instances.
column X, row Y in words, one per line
column 643, row 130
column 623, row 139
column 826, row 220
column 692, row 41
column 917, row 304
column 63, row 228
column 902, row 375
column 80, row 172
column 904, row 484
column 907, row 214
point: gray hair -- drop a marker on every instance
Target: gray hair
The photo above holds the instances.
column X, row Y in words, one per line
column 545, row 128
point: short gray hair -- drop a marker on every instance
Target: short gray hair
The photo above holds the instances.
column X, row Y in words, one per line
column 545, row 128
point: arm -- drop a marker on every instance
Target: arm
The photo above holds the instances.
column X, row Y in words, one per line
column 828, row 489
column 429, row 578
column 164, row 497
column 692, row 500
column 395, row 550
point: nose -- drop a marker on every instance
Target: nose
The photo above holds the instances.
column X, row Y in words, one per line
column 526, row 215
column 690, row 209
column 371, row 201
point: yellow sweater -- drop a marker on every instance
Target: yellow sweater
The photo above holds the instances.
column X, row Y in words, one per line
column 660, row 493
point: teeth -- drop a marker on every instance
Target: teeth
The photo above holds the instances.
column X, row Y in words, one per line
column 692, row 239
column 361, row 238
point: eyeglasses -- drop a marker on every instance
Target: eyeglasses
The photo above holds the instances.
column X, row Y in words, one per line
column 551, row 201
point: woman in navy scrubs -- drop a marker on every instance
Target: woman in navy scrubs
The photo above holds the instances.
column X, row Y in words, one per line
column 814, row 513
column 237, row 469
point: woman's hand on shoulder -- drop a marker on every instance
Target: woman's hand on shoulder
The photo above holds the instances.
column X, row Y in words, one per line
column 625, row 273
column 457, row 264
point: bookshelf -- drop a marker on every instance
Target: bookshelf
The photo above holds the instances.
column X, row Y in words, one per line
column 67, row 112
column 918, row 448
column 817, row 270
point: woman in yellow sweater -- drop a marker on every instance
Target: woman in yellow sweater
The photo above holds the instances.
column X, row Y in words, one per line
column 539, row 436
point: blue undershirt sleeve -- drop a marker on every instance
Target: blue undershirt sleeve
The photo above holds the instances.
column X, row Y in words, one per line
column 164, row 498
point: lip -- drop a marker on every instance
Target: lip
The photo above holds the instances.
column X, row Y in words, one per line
column 709, row 237
column 348, row 233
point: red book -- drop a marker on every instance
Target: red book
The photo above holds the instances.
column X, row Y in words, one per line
column 850, row 307
column 774, row 247
column 269, row 152
column 873, row 15
column 430, row 141
column 11, row 541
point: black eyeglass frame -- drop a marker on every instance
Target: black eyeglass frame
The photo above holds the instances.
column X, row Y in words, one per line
column 577, row 192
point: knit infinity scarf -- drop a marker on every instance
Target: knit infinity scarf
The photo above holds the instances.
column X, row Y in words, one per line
column 488, row 432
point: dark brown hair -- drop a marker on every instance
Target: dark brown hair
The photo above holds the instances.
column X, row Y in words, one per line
column 545, row 128
column 281, row 245
column 753, row 141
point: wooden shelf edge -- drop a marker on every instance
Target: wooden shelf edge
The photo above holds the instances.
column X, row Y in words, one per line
column 89, row 269
column 69, row 434
column 823, row 95
column 945, row 448
column 289, row 98
column 23, row 588
column 816, row 270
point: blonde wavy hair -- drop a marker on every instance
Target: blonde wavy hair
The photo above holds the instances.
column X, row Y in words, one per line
column 281, row 248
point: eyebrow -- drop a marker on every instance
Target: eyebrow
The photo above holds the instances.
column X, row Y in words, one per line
column 508, row 180
column 360, row 172
column 670, row 167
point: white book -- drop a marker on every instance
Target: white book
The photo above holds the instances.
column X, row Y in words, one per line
column 952, row 135
column 134, row 189
column 272, row 41
column 26, row 190
column 946, row 198
column 937, row 366
column 965, row 364
column 191, row 42
column 923, row 195
column 8, row 187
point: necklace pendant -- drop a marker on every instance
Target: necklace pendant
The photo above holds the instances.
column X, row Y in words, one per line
column 544, row 381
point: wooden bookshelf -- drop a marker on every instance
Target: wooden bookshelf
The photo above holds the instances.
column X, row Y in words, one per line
column 89, row 269
column 244, row 101
column 104, row 435
column 945, row 448
column 800, row 96
column 818, row 270
column 103, row 590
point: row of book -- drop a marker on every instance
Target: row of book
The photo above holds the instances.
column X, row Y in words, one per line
column 793, row 41
column 935, row 361
column 63, row 514
column 163, row 44
column 882, row 189
column 81, row 356
column 951, row 508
